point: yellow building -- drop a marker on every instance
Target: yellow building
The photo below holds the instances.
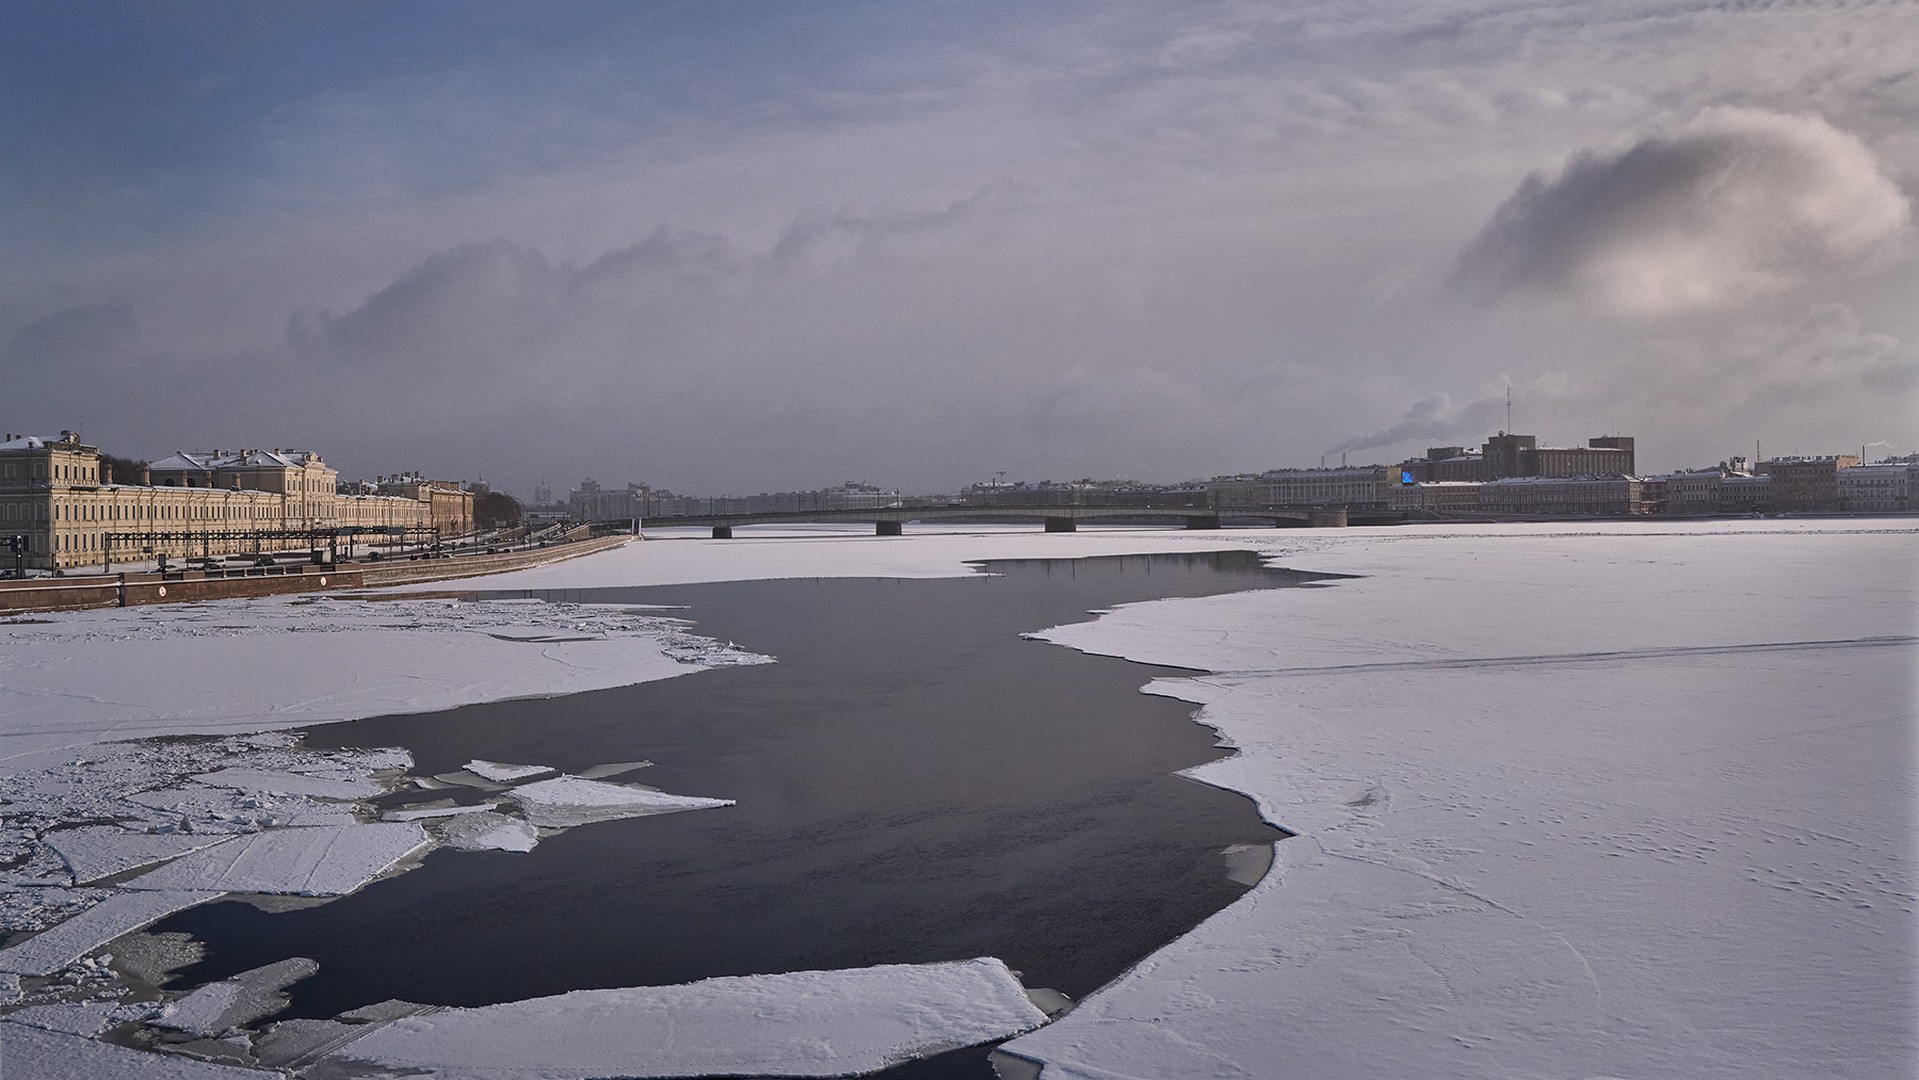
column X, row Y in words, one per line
column 62, row 514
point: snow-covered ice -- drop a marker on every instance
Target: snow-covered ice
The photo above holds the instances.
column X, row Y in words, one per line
column 291, row 783
column 430, row 812
column 572, row 800
column 325, row 861
column 31, row 1053
column 502, row 772
column 71, row 679
column 56, row 948
column 219, row 1007
column 489, row 832
column 88, row 1018
column 804, row 1023
column 1571, row 802
column 93, row 852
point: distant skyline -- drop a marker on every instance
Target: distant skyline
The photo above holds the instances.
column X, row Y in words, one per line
column 723, row 247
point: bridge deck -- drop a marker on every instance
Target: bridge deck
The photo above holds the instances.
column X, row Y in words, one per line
column 889, row 519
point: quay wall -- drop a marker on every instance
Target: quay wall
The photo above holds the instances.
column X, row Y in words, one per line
column 73, row 593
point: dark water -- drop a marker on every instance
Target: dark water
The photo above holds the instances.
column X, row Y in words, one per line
column 915, row 783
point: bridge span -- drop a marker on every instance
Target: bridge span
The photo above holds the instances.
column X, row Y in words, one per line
column 891, row 520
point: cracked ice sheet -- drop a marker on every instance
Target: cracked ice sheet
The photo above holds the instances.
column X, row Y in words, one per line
column 117, row 915
column 1654, row 856
column 33, row 1054
column 96, row 851
column 325, row 861
column 805, row 1023
column 86, row 677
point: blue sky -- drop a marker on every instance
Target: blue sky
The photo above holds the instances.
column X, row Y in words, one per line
column 732, row 247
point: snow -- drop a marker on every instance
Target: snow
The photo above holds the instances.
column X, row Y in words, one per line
column 72, row 679
column 31, row 1053
column 87, row 1018
column 97, row 851
column 324, row 861
column 51, row 950
column 289, row 783
column 502, row 772
column 430, row 812
column 685, row 556
column 219, row 1007
column 1570, row 802
column 808, row 1023
column 572, row 800
column 489, row 832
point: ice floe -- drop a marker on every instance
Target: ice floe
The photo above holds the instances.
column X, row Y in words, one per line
column 489, row 832
column 330, row 860
column 427, row 813
column 805, row 1023
column 122, row 913
column 291, row 783
column 70, row 889
column 88, row 1018
column 501, row 772
column 221, row 1007
column 93, row 852
column 572, row 800
column 32, row 1053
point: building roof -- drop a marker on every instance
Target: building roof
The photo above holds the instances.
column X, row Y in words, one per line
column 208, row 460
column 181, row 461
column 1515, row 480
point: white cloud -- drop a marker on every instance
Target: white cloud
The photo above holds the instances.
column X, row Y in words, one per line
column 1736, row 205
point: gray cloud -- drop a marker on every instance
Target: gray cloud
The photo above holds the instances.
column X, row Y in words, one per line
column 1169, row 241
column 75, row 335
column 1433, row 420
column 1736, row 205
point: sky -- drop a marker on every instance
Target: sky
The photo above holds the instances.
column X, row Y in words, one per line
column 725, row 247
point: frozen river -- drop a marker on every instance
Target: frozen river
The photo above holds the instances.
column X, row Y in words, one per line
column 1573, row 801
column 913, row 780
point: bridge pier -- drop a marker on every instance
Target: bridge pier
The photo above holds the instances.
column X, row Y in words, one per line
column 1330, row 518
column 1209, row 521
column 1061, row 524
column 722, row 532
column 889, row 528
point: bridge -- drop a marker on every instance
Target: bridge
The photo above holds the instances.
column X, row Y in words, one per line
column 891, row 520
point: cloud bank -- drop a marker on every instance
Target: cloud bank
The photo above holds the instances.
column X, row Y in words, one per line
column 735, row 249
column 1737, row 205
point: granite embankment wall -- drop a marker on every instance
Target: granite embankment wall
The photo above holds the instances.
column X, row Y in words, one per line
column 125, row 590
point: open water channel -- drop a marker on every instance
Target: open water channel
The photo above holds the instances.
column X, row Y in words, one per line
column 915, row 782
